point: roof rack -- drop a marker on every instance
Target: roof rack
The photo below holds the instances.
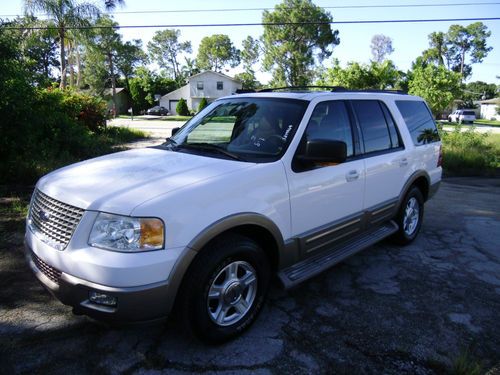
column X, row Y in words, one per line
column 330, row 88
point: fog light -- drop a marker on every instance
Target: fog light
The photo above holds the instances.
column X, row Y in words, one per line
column 102, row 299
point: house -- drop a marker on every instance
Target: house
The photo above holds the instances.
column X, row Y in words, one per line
column 123, row 102
column 209, row 85
column 489, row 108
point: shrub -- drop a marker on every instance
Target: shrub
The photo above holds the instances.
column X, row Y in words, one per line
column 203, row 104
column 182, row 108
column 468, row 153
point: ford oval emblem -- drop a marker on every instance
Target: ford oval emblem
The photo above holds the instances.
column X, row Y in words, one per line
column 44, row 216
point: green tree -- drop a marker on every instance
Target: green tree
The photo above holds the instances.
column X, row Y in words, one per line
column 217, row 51
column 248, row 80
column 189, row 68
column 145, row 84
column 381, row 46
column 64, row 14
column 475, row 91
column 165, row 49
column 358, row 76
column 437, row 85
column 297, row 33
column 129, row 57
column 203, row 104
column 182, row 108
column 437, row 53
column 104, row 45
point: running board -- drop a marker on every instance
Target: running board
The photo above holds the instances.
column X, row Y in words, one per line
column 316, row 264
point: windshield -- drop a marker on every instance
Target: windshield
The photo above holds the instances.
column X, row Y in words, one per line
column 247, row 129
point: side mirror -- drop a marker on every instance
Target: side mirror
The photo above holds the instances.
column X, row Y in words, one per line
column 175, row 130
column 324, row 151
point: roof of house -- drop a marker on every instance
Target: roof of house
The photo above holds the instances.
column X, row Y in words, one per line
column 212, row 72
column 491, row 101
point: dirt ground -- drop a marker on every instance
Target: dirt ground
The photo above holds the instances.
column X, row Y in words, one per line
column 431, row 307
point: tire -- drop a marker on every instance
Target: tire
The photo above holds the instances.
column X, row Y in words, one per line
column 409, row 221
column 238, row 270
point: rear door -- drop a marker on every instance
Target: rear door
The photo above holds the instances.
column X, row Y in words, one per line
column 386, row 163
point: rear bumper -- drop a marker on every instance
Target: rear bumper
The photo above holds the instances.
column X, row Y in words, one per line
column 433, row 189
column 134, row 304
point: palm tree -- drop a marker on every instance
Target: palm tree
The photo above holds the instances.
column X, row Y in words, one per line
column 66, row 14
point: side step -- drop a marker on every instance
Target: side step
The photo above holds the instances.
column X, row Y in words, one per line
column 316, row 264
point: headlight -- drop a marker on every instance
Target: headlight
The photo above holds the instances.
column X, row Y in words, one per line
column 127, row 234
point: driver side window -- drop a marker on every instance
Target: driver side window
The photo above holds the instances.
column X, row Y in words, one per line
column 330, row 121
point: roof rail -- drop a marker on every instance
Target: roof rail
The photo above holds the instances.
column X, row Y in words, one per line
column 291, row 88
column 331, row 89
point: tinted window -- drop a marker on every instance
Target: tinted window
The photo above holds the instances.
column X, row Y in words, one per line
column 469, row 113
column 199, row 85
column 419, row 121
column 373, row 125
column 393, row 132
column 330, row 120
column 220, row 85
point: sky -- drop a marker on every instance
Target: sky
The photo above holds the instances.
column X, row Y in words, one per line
column 409, row 39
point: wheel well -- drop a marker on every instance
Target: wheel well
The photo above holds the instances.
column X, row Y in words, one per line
column 423, row 185
column 259, row 234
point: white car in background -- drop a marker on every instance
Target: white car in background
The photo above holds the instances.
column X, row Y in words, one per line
column 462, row 116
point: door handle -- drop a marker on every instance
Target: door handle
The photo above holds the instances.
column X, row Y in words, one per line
column 352, row 175
column 403, row 162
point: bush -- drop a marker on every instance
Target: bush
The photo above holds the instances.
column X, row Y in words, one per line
column 182, row 108
column 468, row 153
column 203, row 104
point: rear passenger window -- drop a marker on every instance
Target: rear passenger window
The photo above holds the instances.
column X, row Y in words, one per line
column 330, row 120
column 374, row 126
column 419, row 121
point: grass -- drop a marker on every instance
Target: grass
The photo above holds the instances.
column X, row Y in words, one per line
column 113, row 135
column 469, row 153
column 487, row 122
column 466, row 364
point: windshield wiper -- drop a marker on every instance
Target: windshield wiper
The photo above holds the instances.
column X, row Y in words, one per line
column 210, row 147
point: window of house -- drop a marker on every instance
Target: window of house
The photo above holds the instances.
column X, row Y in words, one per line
column 199, row 85
column 220, row 85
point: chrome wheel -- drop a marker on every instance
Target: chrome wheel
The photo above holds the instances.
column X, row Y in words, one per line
column 411, row 216
column 232, row 293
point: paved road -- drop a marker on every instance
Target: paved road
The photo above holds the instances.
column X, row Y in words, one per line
column 157, row 130
column 392, row 310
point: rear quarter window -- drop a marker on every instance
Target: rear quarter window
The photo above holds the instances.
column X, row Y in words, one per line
column 419, row 121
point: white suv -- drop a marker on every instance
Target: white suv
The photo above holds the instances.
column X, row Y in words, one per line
column 256, row 185
column 462, row 116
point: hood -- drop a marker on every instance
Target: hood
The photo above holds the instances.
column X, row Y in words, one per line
column 117, row 183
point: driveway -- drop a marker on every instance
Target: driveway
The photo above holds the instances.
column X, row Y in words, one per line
column 419, row 309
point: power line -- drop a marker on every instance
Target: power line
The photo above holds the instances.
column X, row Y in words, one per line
column 257, row 24
column 221, row 10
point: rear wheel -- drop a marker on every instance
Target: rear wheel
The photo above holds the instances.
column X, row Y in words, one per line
column 409, row 217
column 225, row 288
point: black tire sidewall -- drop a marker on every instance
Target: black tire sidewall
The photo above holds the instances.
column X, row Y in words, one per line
column 241, row 249
column 403, row 237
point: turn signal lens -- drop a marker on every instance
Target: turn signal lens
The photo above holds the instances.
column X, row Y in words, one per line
column 151, row 234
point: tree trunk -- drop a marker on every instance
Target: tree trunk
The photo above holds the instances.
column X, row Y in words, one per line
column 79, row 65
column 70, row 65
column 62, row 57
column 462, row 63
column 113, row 82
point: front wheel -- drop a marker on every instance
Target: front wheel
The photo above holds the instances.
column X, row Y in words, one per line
column 225, row 288
column 409, row 217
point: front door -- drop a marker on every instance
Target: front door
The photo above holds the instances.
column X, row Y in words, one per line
column 327, row 200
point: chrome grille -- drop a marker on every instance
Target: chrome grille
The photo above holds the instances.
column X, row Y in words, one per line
column 52, row 221
column 49, row 271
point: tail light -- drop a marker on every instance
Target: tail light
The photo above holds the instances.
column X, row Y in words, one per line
column 440, row 157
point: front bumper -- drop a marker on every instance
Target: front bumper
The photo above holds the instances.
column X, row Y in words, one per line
column 140, row 303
